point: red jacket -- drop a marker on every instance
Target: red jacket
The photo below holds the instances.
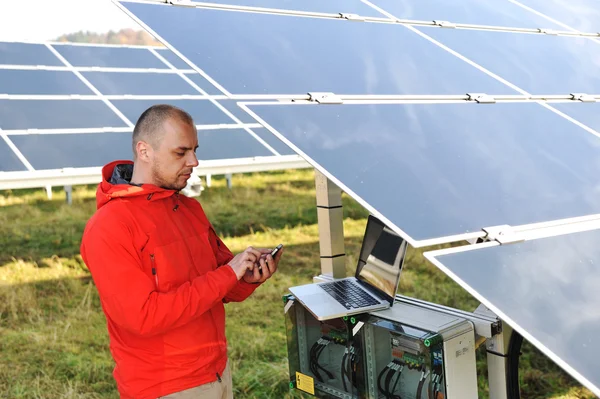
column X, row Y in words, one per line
column 162, row 275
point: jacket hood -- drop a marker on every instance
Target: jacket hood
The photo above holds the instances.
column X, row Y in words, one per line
column 116, row 183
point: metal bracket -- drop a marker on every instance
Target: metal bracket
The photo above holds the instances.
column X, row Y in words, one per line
column 503, row 234
column 584, row 98
column 325, row 98
column 182, row 3
column 548, row 31
column 351, row 17
column 481, row 98
column 444, row 24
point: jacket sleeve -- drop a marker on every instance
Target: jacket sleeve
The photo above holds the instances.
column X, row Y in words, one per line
column 242, row 289
column 128, row 295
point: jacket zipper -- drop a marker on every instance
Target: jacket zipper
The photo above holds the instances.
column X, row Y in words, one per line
column 154, row 270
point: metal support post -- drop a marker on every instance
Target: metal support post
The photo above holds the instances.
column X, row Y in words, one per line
column 49, row 192
column 69, row 193
column 497, row 359
column 208, row 180
column 228, row 178
column 331, row 227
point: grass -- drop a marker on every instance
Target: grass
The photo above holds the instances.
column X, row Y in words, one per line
column 54, row 342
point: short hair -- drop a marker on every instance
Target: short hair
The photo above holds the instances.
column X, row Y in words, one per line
column 149, row 125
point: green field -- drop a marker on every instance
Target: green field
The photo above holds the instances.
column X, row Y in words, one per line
column 54, row 342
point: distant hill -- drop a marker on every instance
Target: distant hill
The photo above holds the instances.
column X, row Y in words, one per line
column 124, row 36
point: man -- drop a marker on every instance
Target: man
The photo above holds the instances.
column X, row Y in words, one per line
column 160, row 269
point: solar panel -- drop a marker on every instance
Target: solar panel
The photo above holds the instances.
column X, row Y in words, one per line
column 48, row 114
column 330, row 6
column 241, row 51
column 103, row 56
column 115, row 83
column 583, row 15
column 524, row 59
column 57, row 151
column 177, row 62
column 8, row 159
column 587, row 113
column 204, row 112
column 51, row 117
column 27, row 54
column 41, row 82
column 547, row 289
column 438, row 170
column 478, row 12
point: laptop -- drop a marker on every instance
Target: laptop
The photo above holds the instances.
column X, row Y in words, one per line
column 374, row 284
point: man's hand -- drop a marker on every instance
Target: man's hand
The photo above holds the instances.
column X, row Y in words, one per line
column 268, row 266
column 245, row 261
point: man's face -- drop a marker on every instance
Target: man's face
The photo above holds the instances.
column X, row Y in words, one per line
column 172, row 162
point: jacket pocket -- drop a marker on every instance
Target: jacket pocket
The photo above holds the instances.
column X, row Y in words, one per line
column 154, row 271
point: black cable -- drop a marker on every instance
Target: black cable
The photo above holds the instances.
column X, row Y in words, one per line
column 343, row 368
column 388, row 380
column 379, row 381
column 329, row 373
column 395, row 385
column 512, row 366
column 420, row 388
column 313, row 361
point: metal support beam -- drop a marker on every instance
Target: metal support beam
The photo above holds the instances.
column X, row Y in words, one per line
column 208, row 180
column 49, row 192
column 331, row 227
column 228, row 178
column 69, row 193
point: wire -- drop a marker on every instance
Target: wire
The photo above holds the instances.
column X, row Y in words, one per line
column 343, row 368
column 512, row 366
column 318, row 354
column 379, row 378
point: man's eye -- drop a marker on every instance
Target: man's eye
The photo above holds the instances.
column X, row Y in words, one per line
column 180, row 154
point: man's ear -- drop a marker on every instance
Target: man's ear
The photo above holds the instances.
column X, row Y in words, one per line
column 144, row 151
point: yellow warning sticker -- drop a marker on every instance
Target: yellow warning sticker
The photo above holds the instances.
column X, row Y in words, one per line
column 305, row 383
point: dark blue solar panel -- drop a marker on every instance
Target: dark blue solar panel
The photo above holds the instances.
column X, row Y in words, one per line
column 583, row 15
column 477, row 12
column 274, row 142
column 231, row 106
column 329, row 6
column 203, row 111
column 263, row 53
column 204, row 84
column 55, row 151
column 139, row 83
column 540, row 64
column 41, row 82
column 115, row 57
column 173, row 59
column 8, row 159
column 46, row 114
column 548, row 287
column 586, row 113
column 437, row 170
column 226, row 144
column 27, row 54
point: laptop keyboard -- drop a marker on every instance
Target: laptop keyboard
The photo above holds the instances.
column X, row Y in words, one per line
column 349, row 294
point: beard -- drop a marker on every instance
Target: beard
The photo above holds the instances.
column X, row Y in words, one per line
column 165, row 182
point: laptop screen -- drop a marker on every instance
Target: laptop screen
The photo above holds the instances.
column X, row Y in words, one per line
column 381, row 258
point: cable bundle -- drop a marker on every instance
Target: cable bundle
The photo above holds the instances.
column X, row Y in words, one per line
column 395, row 367
column 315, row 353
column 349, row 361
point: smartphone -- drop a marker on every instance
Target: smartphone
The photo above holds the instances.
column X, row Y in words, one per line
column 273, row 253
column 277, row 248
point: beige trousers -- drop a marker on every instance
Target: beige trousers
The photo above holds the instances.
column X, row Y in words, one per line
column 212, row 390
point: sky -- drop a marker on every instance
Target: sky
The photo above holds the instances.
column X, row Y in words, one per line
column 39, row 20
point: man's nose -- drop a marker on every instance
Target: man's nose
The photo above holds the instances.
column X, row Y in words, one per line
column 192, row 160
